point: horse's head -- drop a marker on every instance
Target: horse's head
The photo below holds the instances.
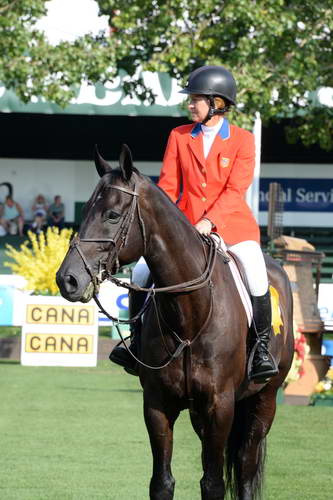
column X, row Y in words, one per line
column 111, row 233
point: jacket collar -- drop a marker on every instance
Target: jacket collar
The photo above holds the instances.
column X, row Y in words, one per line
column 224, row 131
column 196, row 145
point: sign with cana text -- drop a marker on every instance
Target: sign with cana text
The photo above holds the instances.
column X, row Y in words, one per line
column 56, row 332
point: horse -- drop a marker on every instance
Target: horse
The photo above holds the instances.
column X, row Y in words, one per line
column 195, row 331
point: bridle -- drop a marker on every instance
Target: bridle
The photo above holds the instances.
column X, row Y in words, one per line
column 117, row 242
column 105, row 271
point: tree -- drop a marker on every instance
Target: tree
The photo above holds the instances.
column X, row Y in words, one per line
column 279, row 51
column 32, row 67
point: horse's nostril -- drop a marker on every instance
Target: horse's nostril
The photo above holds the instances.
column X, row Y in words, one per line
column 70, row 283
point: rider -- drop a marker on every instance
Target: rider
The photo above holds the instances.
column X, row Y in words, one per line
column 213, row 163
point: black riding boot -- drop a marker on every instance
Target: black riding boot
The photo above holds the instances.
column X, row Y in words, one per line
column 263, row 365
column 119, row 354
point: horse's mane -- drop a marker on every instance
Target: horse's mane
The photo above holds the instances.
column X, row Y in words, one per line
column 168, row 205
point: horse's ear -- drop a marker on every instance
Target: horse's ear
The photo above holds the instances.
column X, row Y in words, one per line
column 126, row 162
column 102, row 166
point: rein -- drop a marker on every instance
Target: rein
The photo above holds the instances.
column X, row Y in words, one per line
column 187, row 286
column 118, row 242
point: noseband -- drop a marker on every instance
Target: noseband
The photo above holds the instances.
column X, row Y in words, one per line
column 117, row 242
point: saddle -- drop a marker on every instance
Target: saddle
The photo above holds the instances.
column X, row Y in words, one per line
column 238, row 274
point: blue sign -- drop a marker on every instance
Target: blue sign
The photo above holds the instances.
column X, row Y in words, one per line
column 6, row 305
column 122, row 301
column 300, row 195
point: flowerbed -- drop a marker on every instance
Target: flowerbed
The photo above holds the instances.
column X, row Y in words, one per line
column 323, row 394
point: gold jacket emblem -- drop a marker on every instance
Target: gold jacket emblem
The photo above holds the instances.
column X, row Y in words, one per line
column 225, row 162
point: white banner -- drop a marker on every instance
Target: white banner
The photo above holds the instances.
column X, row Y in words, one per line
column 325, row 304
column 56, row 332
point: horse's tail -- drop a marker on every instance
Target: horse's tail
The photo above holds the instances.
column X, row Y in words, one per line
column 242, row 453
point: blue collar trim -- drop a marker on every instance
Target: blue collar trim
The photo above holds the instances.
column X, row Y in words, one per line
column 224, row 131
column 196, row 130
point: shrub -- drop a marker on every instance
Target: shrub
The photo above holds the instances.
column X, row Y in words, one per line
column 38, row 259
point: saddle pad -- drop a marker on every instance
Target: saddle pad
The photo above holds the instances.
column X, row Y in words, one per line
column 243, row 293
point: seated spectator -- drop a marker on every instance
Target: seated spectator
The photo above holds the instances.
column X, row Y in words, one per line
column 3, row 231
column 39, row 210
column 13, row 216
column 56, row 213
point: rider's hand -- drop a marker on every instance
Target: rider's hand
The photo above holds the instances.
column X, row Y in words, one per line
column 204, row 226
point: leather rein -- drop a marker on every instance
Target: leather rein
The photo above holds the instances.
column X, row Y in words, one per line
column 105, row 268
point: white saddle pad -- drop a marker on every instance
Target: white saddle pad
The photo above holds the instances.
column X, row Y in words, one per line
column 243, row 293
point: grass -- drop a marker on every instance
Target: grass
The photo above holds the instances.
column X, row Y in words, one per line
column 10, row 331
column 78, row 434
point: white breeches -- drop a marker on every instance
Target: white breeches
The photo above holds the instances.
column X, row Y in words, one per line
column 250, row 255
column 248, row 252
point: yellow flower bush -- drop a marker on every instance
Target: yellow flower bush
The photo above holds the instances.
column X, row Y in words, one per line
column 39, row 259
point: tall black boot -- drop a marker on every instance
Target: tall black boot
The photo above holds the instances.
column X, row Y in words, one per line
column 120, row 354
column 263, row 365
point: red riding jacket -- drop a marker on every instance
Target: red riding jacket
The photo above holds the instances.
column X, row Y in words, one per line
column 214, row 187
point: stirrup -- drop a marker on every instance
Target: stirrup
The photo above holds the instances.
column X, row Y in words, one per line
column 264, row 376
column 132, row 371
column 122, row 357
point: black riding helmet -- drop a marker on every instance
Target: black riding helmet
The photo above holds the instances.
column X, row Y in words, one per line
column 212, row 81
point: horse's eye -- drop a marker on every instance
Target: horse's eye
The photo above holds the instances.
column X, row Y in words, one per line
column 111, row 216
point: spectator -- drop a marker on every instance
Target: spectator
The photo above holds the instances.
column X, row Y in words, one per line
column 13, row 216
column 3, row 231
column 56, row 213
column 39, row 209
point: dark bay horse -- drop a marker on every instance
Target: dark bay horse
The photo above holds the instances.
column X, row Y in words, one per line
column 126, row 217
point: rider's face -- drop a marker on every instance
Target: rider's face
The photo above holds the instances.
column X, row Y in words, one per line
column 198, row 106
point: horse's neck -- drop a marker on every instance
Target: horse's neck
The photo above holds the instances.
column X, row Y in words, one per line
column 176, row 255
column 175, row 252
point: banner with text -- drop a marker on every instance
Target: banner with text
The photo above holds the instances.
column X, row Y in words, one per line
column 300, row 195
column 56, row 332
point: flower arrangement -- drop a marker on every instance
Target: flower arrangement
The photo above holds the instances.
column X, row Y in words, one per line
column 301, row 349
column 324, row 388
column 38, row 259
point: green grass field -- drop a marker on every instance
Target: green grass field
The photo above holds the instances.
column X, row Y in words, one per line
column 78, row 434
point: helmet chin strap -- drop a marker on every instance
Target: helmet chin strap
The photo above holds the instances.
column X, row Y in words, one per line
column 214, row 111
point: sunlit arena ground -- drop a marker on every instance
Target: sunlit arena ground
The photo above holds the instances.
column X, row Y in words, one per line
column 79, row 434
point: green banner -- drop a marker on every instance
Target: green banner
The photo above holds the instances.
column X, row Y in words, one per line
column 108, row 99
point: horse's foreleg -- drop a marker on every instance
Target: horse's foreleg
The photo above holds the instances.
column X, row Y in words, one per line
column 216, row 426
column 159, row 424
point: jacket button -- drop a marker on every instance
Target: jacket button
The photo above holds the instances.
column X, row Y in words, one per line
column 203, row 184
column 203, row 199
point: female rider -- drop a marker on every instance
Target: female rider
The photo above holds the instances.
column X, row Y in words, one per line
column 212, row 165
